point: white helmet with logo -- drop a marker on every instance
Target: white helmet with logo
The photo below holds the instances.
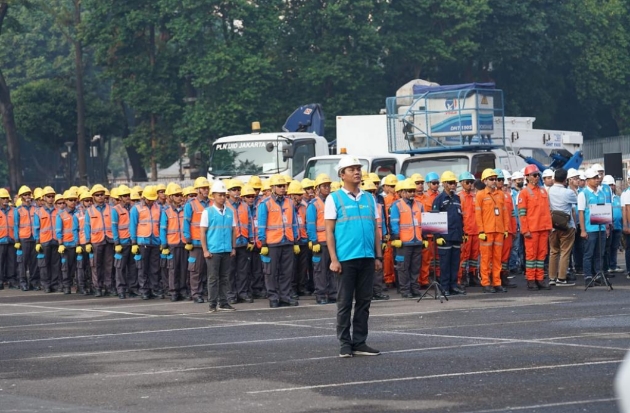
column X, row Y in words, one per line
column 218, row 187
column 347, row 161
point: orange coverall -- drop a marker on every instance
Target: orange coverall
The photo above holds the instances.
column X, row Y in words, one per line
column 507, row 243
column 470, row 249
column 492, row 219
column 535, row 216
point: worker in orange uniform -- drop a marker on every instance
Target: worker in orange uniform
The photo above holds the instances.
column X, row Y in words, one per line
column 535, row 217
column 389, row 196
column 83, row 268
column 429, row 258
column 507, row 243
column 492, row 223
column 7, row 242
column 300, row 267
column 46, row 245
column 26, row 258
column 125, row 267
column 172, row 242
column 67, row 233
column 468, row 263
column 239, row 279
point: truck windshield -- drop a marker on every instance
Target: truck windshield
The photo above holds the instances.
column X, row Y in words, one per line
column 328, row 167
column 246, row 158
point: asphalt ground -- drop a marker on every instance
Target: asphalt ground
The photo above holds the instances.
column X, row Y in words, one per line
column 545, row 351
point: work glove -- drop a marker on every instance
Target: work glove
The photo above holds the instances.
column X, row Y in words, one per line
column 135, row 249
column 250, row 246
column 88, row 248
column 316, row 248
column 17, row 246
column 296, row 249
column 118, row 248
column 264, row 251
column 310, row 245
column 440, row 241
column 79, row 250
column 425, row 243
column 383, row 246
column 165, row 251
column 505, row 234
column 465, row 238
column 38, row 247
column 61, row 249
column 483, row 236
column 397, row 243
column 188, row 247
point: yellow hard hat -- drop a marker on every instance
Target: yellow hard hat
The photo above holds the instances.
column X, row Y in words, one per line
column 70, row 194
column 59, row 197
column 189, row 190
column 114, row 193
column 399, row 186
column 247, row 190
column 234, row 183
column 24, row 190
column 368, row 185
column 277, row 180
column 150, row 193
column 74, row 188
column 107, row 192
column 322, row 179
column 374, row 178
column 288, row 178
column 364, row 175
column 488, row 172
column 173, row 188
column 4, row 193
column 255, row 182
column 83, row 188
column 417, row 178
column 307, row 183
column 137, row 188
column 409, row 184
column 48, row 190
column 84, row 195
column 37, row 193
column 265, row 186
column 134, row 196
column 18, row 203
column 201, row 182
column 124, row 190
column 390, row 180
column 98, row 188
column 160, row 187
column 295, row 188
column 335, row 186
column 448, row 176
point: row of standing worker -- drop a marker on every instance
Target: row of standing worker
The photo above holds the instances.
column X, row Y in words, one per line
column 160, row 240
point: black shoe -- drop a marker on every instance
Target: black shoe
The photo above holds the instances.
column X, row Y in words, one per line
column 365, row 350
column 133, row 294
column 84, row 291
column 294, row 296
column 322, row 300
column 113, row 293
column 345, row 352
column 47, row 290
column 564, row 283
column 406, row 295
column 290, row 303
column 446, row 293
column 532, row 286
column 380, row 297
column 233, row 301
column 500, row 289
column 458, row 291
column 274, row 303
column 226, row 307
column 247, row 300
column 159, row 295
column 67, row 290
column 175, row 297
column 14, row 287
column 36, row 288
column 98, row 293
column 213, row 309
column 146, row 296
column 24, row 288
column 332, row 300
column 489, row 289
column 257, row 295
column 122, row 296
column 543, row 285
column 198, row 300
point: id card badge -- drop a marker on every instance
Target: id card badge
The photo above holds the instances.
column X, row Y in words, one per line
column 496, row 211
column 415, row 221
column 300, row 220
column 284, row 219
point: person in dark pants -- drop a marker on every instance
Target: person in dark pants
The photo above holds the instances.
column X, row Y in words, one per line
column 218, row 239
column 7, row 248
column 67, row 233
column 355, row 252
column 239, row 282
column 48, row 259
column 449, row 244
column 593, row 234
column 124, row 263
column 378, row 288
column 300, row 265
column 172, row 242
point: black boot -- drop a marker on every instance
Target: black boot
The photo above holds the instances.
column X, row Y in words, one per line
column 505, row 281
column 532, row 286
column 473, row 281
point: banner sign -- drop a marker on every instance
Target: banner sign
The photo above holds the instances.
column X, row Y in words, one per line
column 434, row 223
column 600, row 214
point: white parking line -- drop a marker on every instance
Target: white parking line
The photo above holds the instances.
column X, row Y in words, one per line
column 544, row 406
column 437, row 376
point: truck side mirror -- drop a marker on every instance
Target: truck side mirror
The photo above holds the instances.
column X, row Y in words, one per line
column 287, row 151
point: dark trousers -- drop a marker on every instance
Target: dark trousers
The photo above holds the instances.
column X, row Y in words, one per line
column 29, row 263
column 300, row 270
column 578, row 250
column 593, row 253
column 449, row 264
column 177, row 271
column 323, row 278
column 149, row 277
column 7, row 265
column 355, row 281
column 198, row 271
column 102, row 264
column 83, row 267
column 126, row 271
column 615, row 241
column 377, row 288
column 408, row 261
column 219, row 268
column 606, row 259
column 50, row 266
column 240, row 280
column 258, row 278
column 627, row 238
column 68, row 266
column 278, row 279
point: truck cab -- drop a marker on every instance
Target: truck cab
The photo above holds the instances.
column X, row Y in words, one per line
column 457, row 162
column 381, row 165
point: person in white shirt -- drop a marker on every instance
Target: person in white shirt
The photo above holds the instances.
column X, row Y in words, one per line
column 625, row 210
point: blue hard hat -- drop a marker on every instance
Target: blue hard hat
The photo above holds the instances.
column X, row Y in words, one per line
column 465, row 176
column 432, row 176
column 400, row 177
column 499, row 173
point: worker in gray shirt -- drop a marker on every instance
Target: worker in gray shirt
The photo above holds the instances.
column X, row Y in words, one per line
column 561, row 241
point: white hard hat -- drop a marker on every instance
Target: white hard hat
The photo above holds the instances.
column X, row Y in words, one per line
column 591, row 173
column 572, row 173
column 608, row 180
column 506, row 174
column 218, row 187
column 518, row 175
column 597, row 167
column 547, row 173
column 347, row 161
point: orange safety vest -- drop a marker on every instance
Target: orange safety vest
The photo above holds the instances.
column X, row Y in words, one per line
column 174, row 226
column 6, row 224
column 67, row 221
column 410, row 221
column 46, row 226
column 148, row 221
column 301, row 216
column 81, row 218
column 279, row 225
column 320, row 223
column 195, row 228
column 123, row 222
column 100, row 224
column 242, row 219
column 25, row 222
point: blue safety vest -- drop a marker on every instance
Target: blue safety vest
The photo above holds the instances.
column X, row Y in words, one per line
column 220, row 227
column 592, row 199
column 617, row 213
column 355, row 226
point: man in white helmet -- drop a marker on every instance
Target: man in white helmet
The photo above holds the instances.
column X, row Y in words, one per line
column 617, row 226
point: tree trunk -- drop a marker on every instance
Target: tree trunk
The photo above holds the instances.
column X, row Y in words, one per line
column 154, row 143
column 135, row 159
column 8, row 121
column 78, row 62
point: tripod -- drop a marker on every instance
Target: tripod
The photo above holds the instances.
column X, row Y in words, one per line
column 600, row 277
column 434, row 284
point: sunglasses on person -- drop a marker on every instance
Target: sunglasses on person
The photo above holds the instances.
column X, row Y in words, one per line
column 281, row 186
column 468, row 181
column 250, row 196
column 494, row 178
column 60, row 203
column 536, row 175
column 419, row 182
column 501, row 179
column 451, row 182
column 50, row 195
column 71, row 200
column 192, row 196
column 177, row 195
column 434, row 183
column 99, row 194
